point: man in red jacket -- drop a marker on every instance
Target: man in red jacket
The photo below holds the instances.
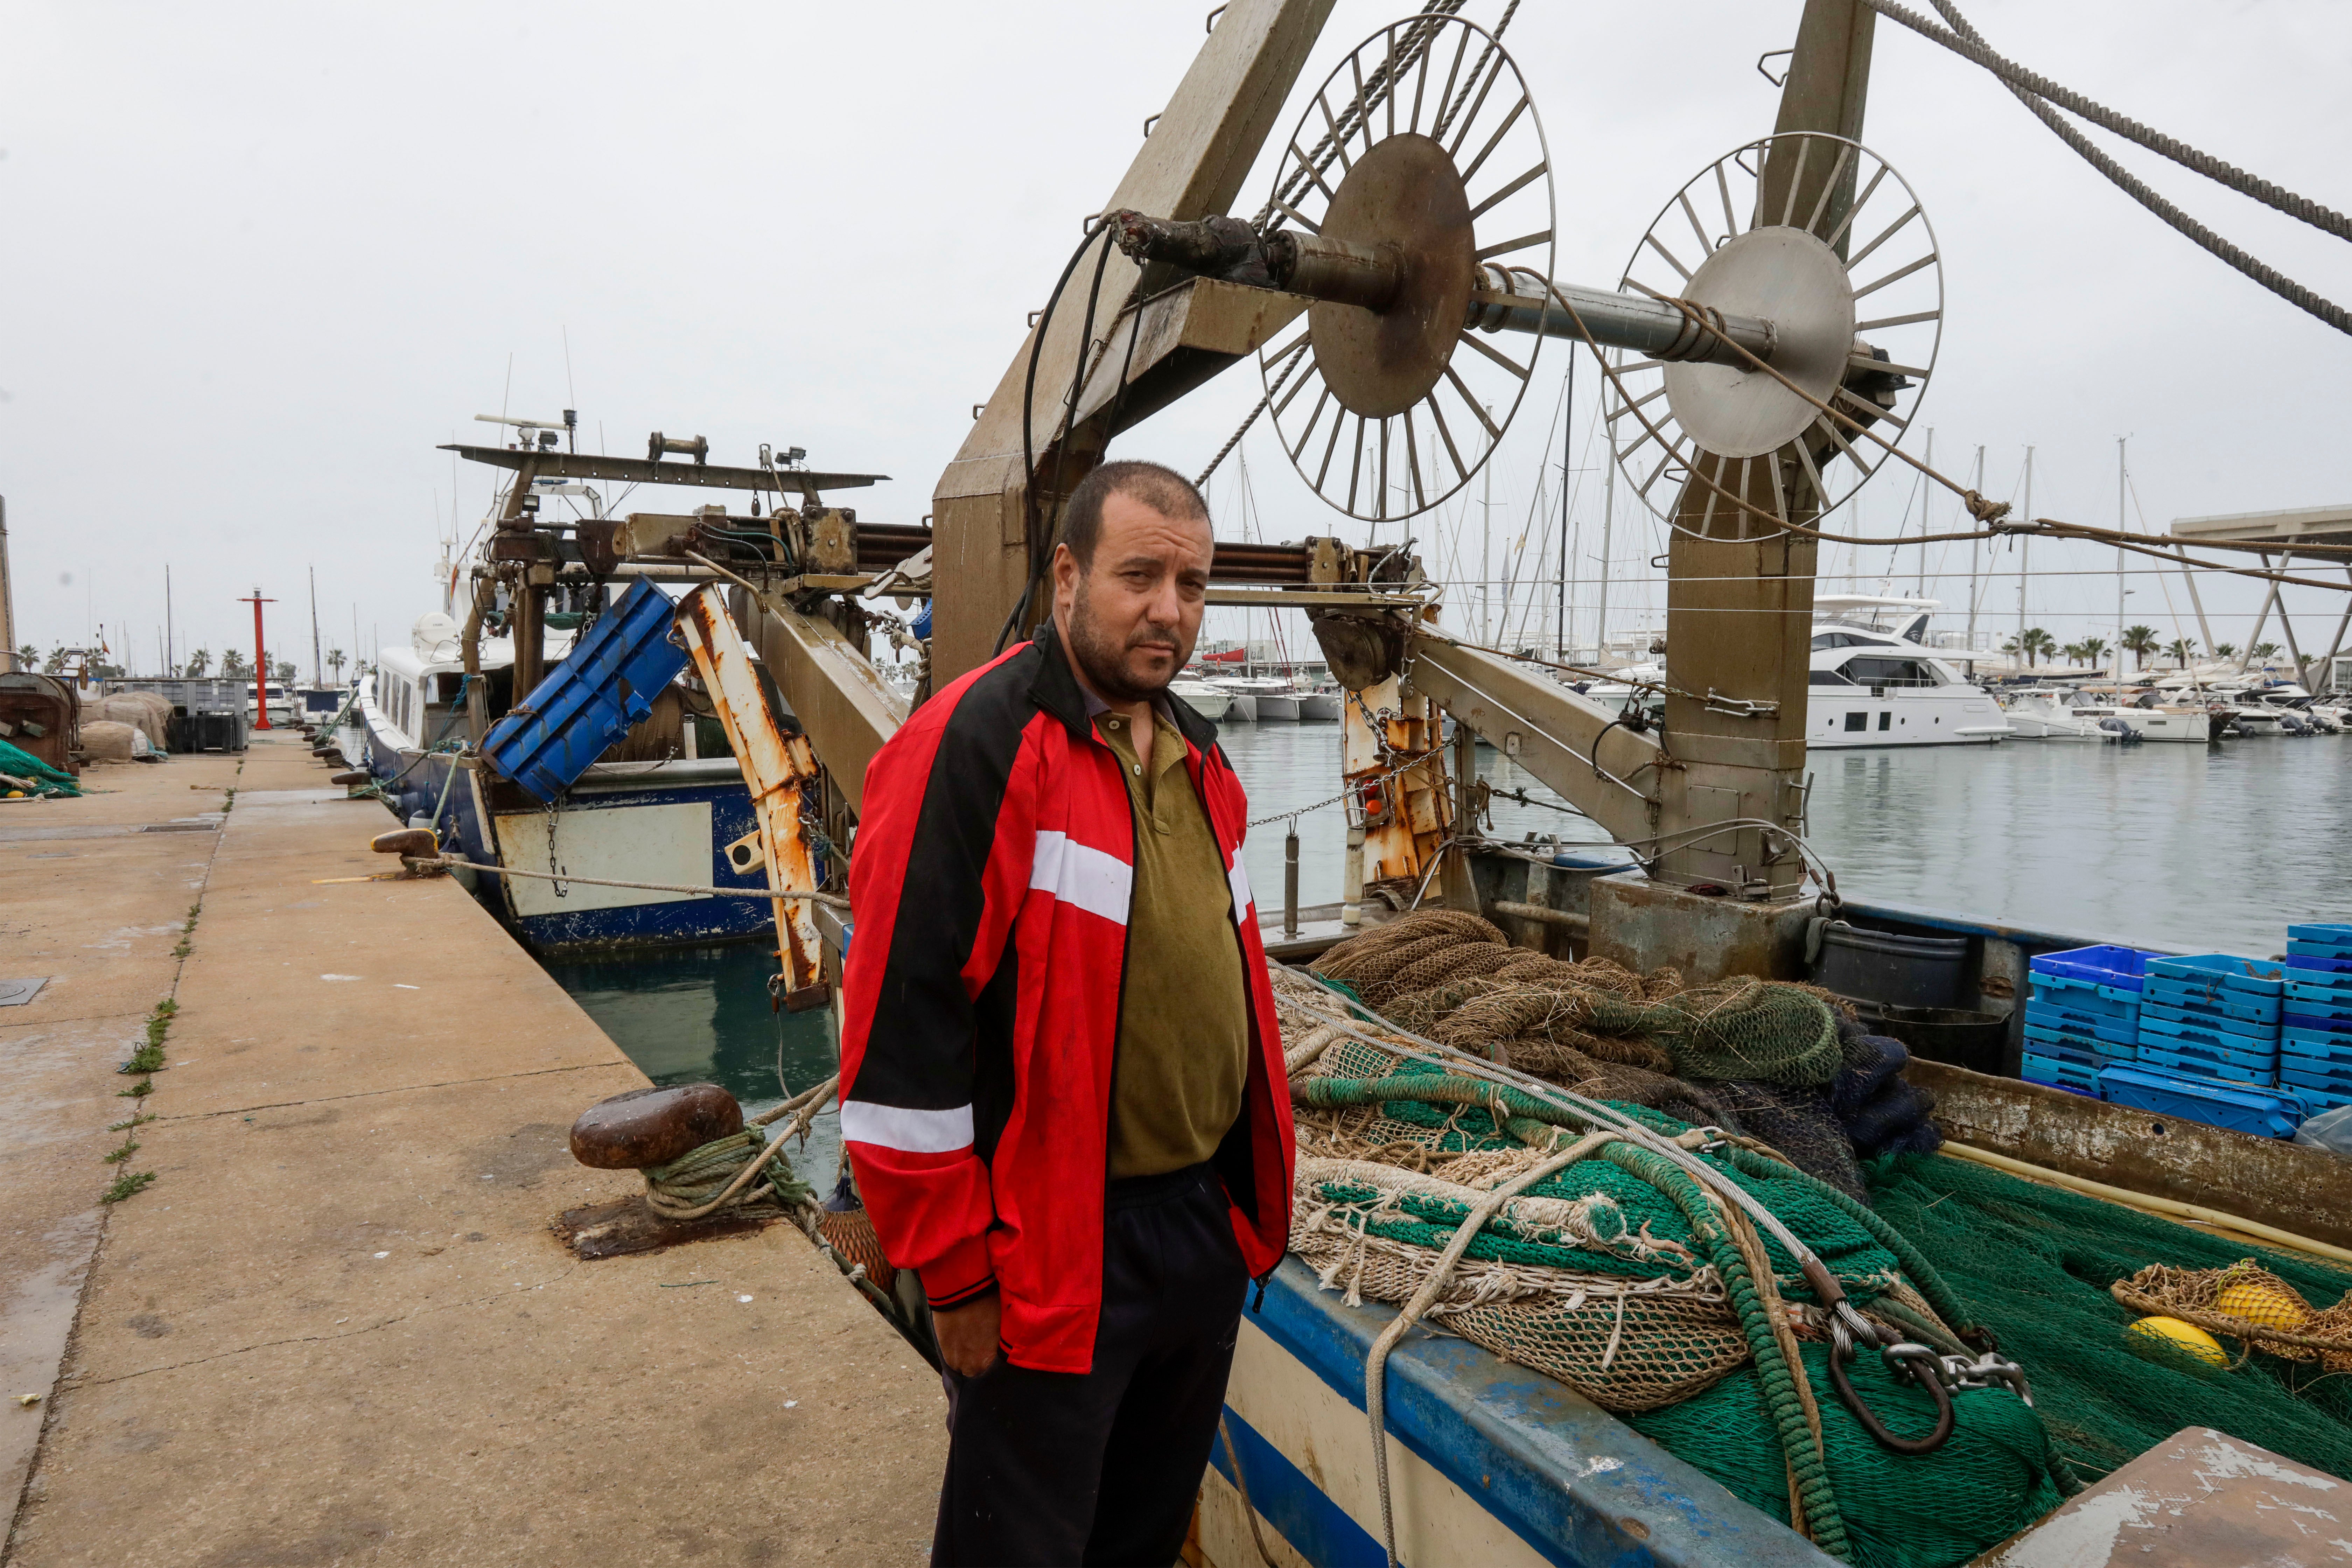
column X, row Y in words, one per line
column 1062, row 1083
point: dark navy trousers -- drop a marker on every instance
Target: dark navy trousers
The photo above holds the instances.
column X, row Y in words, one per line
column 1051, row 1469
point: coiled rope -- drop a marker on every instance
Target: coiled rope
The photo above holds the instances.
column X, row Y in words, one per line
column 712, row 1176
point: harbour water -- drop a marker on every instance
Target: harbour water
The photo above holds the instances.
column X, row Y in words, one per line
column 702, row 1015
column 2195, row 849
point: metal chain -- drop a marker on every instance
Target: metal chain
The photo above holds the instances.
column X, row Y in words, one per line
column 554, row 872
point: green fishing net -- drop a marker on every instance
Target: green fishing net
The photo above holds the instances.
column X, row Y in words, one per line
column 2034, row 1263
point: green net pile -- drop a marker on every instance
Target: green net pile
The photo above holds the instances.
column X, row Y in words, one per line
column 2035, row 1262
column 1617, row 1276
column 1611, row 1276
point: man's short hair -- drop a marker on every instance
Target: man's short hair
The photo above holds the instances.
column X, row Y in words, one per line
column 1161, row 489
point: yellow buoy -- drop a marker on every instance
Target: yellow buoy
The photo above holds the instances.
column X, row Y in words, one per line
column 2262, row 1304
column 2171, row 1342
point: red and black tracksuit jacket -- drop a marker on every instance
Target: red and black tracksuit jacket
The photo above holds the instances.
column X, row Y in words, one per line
column 990, row 886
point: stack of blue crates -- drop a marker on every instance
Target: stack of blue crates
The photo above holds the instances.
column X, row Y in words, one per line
column 2083, row 1015
column 2214, row 1014
column 2315, row 1040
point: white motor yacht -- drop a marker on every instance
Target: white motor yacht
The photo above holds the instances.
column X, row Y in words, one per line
column 2048, row 716
column 1875, row 684
column 1211, row 702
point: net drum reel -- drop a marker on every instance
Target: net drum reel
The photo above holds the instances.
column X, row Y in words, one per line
column 1775, row 233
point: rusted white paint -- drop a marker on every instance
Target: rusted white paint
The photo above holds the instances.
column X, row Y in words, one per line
column 777, row 771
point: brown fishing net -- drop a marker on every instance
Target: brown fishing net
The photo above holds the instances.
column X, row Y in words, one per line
column 2249, row 1303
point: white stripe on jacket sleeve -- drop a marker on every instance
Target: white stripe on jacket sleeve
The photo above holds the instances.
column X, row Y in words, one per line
column 1082, row 876
column 908, row 1131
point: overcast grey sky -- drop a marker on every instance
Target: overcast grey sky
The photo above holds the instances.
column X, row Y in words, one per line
column 264, row 258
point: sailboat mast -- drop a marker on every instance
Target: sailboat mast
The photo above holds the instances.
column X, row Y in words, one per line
column 1608, row 523
column 1979, row 487
column 2120, row 525
column 2024, row 545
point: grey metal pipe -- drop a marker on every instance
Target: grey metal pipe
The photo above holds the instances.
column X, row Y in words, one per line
column 1518, row 303
column 1290, row 881
column 1566, row 919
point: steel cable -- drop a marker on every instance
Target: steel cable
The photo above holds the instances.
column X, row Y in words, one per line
column 1971, row 48
column 2269, row 277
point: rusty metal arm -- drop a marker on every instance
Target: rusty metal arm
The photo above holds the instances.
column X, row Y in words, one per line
column 778, row 770
column 1549, row 731
column 842, row 702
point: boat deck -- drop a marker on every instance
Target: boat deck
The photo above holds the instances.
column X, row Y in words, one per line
column 336, row 1327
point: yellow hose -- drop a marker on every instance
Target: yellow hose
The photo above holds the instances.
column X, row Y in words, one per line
column 2151, row 1204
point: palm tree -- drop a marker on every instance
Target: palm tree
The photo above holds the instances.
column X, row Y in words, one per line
column 2225, row 650
column 2095, row 650
column 198, row 662
column 232, row 666
column 2177, row 651
column 29, row 658
column 335, row 663
column 2139, row 642
column 2074, row 652
column 2037, row 642
column 57, row 662
column 2266, row 651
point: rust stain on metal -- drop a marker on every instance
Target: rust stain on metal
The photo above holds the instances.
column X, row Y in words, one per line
column 1405, row 813
column 777, row 769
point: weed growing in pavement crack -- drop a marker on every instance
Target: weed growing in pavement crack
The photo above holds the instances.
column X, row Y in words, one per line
column 124, row 1186
column 116, row 1157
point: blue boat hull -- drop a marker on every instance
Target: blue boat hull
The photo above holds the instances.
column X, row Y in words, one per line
column 634, row 822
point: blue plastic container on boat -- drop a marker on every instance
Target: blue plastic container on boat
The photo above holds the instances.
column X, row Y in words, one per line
column 603, row 687
column 2076, row 1048
column 2118, row 970
column 2051, row 1073
column 2059, row 1020
column 2212, row 999
column 2326, row 987
column 2241, row 1107
column 2249, row 975
column 2311, row 963
column 2336, row 931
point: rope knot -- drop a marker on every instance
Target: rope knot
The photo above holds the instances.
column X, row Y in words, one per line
column 1992, row 513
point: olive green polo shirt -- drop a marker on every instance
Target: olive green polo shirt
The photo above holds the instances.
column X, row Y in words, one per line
column 1184, row 1016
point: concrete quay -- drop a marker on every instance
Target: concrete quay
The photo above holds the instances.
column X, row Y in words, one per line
column 335, row 1328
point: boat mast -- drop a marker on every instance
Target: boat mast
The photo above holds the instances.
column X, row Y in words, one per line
column 2120, row 525
column 1485, row 547
column 2024, row 543
column 1979, row 487
column 1919, row 586
column 1608, row 521
column 1566, row 429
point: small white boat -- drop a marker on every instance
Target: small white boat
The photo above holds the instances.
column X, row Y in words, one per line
column 1277, row 706
column 1320, row 707
column 1211, row 702
column 2188, row 726
column 1270, row 700
column 2048, row 716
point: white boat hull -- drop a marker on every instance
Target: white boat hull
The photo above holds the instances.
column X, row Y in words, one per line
column 1322, row 707
column 1277, row 708
column 1856, row 718
column 2148, row 724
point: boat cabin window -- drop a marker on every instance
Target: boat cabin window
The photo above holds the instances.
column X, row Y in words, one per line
column 1830, row 678
column 1865, row 670
column 1886, row 719
column 1857, row 721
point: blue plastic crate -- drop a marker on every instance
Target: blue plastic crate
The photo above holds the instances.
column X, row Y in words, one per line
column 2210, row 999
column 2245, row 1034
column 2247, row 975
column 2178, row 1034
column 2085, row 995
column 2265, row 1112
column 2316, row 1099
column 2336, row 931
column 2067, row 1048
column 2314, row 965
column 2325, row 947
column 2322, row 1044
column 2307, row 1072
column 2072, row 1047
column 2199, row 1063
column 2326, row 987
column 2326, row 1020
column 2115, row 1031
column 605, row 685
column 2055, row 1074
column 2119, row 968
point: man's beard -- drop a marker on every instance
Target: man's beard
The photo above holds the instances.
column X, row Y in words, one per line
column 1105, row 661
